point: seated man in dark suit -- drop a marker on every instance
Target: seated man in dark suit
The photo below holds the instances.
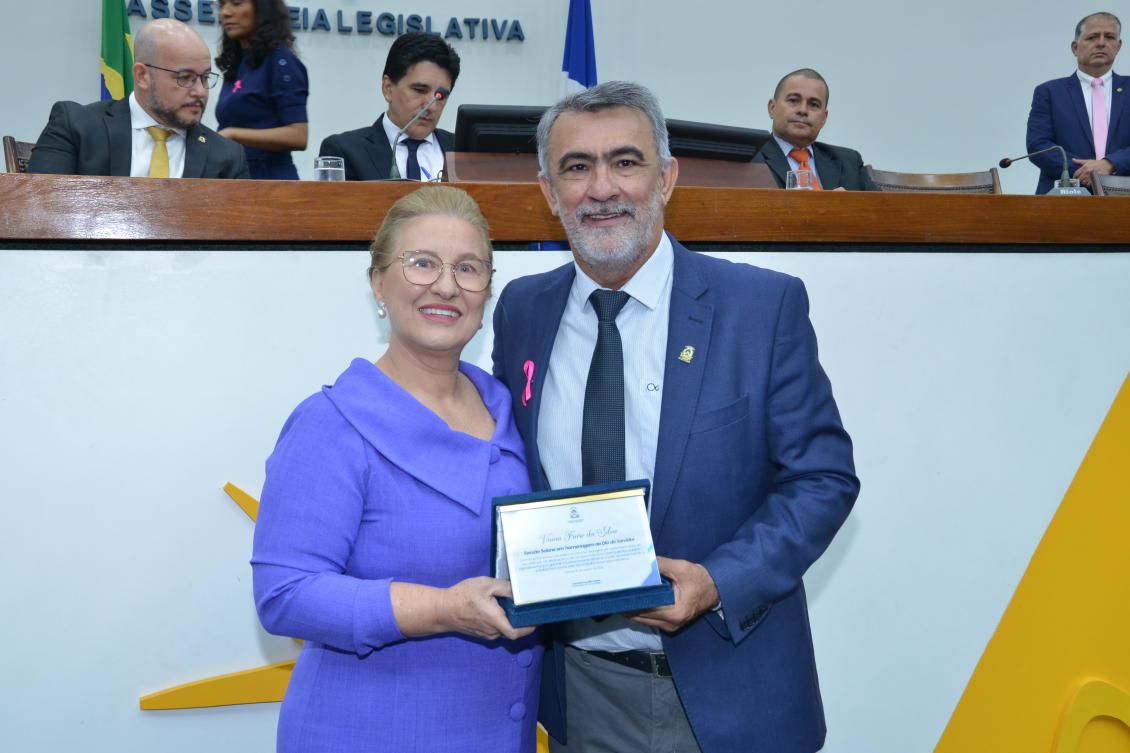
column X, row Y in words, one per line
column 1064, row 110
column 156, row 131
column 799, row 109
column 417, row 65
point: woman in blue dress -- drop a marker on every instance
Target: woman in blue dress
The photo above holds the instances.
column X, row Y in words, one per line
column 373, row 541
column 262, row 104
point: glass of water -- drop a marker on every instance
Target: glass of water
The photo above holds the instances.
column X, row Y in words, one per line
column 798, row 180
column 329, row 168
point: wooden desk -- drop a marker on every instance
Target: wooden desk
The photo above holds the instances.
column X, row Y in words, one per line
column 62, row 209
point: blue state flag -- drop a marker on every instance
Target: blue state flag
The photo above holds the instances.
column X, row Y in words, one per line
column 578, row 67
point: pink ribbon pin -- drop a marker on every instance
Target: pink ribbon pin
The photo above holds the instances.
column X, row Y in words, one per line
column 528, row 370
column 238, row 86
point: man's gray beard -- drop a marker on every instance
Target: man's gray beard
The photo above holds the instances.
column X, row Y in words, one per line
column 613, row 251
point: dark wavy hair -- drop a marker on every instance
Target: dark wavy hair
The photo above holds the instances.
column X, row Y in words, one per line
column 272, row 30
column 420, row 47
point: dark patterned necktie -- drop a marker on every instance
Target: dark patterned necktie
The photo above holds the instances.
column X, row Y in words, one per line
column 602, row 432
column 413, row 171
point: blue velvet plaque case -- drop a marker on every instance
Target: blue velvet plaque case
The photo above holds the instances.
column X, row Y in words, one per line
column 574, row 607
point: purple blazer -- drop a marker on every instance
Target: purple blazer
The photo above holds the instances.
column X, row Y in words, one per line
column 367, row 486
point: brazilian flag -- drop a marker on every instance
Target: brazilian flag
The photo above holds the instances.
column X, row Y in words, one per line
column 117, row 51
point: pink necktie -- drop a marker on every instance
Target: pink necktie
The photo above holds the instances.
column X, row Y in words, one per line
column 1098, row 117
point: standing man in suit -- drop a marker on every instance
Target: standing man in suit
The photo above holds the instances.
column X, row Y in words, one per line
column 713, row 391
column 799, row 109
column 1087, row 113
column 418, row 64
column 156, row 131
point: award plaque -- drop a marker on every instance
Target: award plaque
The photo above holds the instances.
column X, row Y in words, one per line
column 575, row 553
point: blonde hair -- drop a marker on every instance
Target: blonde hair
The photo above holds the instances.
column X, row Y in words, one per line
column 425, row 201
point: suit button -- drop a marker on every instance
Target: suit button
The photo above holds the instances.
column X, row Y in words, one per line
column 495, row 453
column 525, row 658
column 518, row 711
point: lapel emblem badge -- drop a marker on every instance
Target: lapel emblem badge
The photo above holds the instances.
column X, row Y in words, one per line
column 202, row 140
column 687, row 355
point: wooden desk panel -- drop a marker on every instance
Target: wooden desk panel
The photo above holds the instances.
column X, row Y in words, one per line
column 73, row 208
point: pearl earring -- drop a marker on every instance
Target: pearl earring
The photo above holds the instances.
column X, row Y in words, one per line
column 382, row 309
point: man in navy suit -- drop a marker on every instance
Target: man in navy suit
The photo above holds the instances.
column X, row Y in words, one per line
column 799, row 110
column 725, row 408
column 1064, row 112
column 417, row 65
column 172, row 75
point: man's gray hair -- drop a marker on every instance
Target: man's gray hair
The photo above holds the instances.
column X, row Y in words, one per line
column 1101, row 14
column 604, row 97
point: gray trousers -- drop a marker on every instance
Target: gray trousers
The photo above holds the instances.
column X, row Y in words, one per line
column 615, row 709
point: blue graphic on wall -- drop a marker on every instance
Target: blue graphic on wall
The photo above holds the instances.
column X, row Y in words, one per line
column 306, row 18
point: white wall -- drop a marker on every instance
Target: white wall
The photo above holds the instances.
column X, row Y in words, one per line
column 918, row 86
column 134, row 384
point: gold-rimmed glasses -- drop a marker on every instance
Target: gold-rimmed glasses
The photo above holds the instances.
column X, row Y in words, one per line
column 424, row 268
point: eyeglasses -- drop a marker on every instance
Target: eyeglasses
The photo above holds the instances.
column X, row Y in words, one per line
column 185, row 79
column 423, row 268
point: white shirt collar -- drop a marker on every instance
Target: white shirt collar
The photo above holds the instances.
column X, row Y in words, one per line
column 645, row 286
column 391, row 129
column 1086, row 78
column 139, row 118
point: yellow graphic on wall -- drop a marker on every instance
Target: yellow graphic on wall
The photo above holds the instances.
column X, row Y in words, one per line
column 1055, row 677
column 260, row 685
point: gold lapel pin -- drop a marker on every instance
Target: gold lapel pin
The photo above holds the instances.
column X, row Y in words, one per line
column 202, row 140
column 688, row 354
column 1119, row 90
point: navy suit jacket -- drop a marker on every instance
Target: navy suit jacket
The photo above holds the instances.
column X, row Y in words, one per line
column 366, row 151
column 753, row 477
column 97, row 139
column 837, row 166
column 1059, row 116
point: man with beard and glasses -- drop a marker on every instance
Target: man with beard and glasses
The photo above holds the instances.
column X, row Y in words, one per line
column 156, row 131
column 711, row 389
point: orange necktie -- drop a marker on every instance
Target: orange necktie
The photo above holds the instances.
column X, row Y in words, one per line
column 801, row 157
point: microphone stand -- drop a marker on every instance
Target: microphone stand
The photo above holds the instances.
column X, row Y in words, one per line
column 1063, row 186
column 393, row 170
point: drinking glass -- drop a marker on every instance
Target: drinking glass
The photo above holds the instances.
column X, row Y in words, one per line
column 798, row 180
column 329, row 168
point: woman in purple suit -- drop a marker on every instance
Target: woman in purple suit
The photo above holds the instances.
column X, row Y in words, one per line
column 262, row 103
column 374, row 533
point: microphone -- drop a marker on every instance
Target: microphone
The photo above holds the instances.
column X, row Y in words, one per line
column 440, row 94
column 1063, row 185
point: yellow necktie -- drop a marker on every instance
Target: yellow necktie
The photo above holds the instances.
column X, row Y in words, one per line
column 159, row 163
